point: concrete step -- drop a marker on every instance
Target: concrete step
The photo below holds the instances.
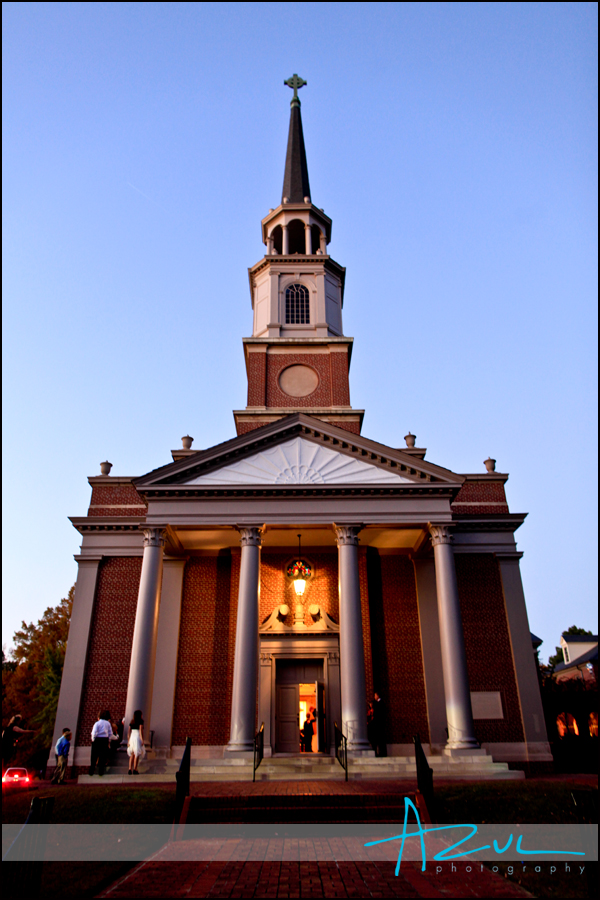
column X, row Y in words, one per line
column 470, row 766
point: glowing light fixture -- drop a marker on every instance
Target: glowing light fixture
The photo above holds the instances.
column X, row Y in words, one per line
column 300, row 571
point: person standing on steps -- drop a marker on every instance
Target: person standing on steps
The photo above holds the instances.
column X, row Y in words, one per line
column 135, row 742
column 102, row 733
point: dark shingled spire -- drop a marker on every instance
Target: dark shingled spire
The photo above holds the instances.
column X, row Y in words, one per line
column 295, row 179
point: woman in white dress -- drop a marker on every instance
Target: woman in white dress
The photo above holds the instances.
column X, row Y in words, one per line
column 135, row 742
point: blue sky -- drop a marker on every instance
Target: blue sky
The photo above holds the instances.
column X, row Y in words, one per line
column 454, row 147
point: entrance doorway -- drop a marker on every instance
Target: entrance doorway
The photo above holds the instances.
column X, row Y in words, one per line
column 300, row 713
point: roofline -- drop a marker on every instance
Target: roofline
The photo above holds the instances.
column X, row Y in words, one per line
column 294, row 424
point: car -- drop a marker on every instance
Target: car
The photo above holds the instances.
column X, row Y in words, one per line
column 16, row 777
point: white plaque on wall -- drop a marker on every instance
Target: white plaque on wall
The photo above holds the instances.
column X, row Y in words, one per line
column 486, row 705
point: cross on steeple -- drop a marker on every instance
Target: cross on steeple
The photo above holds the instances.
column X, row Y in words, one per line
column 295, row 82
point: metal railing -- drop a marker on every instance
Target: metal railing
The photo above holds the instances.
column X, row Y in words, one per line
column 341, row 748
column 24, row 876
column 424, row 777
column 183, row 779
column 259, row 749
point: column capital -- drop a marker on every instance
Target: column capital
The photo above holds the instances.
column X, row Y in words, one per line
column 250, row 535
column 347, row 534
column 440, row 534
column 154, row 536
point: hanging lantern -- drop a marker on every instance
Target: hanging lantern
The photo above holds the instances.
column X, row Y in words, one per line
column 300, row 571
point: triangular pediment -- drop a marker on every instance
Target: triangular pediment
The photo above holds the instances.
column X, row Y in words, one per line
column 298, row 461
column 297, row 450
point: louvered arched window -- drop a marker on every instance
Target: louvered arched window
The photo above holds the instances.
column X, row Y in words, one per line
column 297, row 308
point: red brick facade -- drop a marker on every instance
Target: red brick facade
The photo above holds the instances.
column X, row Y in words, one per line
column 276, row 588
column 396, row 643
column 487, row 643
column 206, row 650
column 392, row 643
column 332, row 369
column 109, row 655
column 116, row 500
column 480, row 497
column 256, row 367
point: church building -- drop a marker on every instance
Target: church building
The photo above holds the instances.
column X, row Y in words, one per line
column 302, row 565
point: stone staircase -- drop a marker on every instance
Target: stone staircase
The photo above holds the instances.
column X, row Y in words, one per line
column 476, row 765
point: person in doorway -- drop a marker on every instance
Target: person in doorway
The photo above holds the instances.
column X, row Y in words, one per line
column 135, row 742
column 307, row 734
column 315, row 738
column 102, row 733
column 63, row 745
column 370, row 733
column 379, row 744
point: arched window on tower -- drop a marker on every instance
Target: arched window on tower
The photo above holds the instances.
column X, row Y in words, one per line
column 297, row 305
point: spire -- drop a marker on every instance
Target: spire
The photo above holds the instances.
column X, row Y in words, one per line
column 295, row 179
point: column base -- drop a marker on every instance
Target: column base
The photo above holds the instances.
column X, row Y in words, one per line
column 461, row 748
column 239, row 750
column 360, row 748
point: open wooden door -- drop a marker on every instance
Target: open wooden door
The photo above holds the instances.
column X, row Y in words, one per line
column 287, row 715
column 320, row 715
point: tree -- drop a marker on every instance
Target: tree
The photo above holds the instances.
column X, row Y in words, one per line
column 559, row 656
column 31, row 679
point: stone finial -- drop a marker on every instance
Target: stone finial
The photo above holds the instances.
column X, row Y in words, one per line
column 187, row 442
column 490, row 464
column 410, row 439
column 286, row 200
column 105, row 467
column 307, row 199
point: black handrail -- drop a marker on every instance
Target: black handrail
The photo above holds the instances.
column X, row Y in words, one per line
column 424, row 776
column 341, row 748
column 259, row 749
column 183, row 780
column 24, row 876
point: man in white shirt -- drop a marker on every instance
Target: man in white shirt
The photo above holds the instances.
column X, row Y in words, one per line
column 102, row 733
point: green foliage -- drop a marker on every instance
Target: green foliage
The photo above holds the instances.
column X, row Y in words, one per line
column 31, row 679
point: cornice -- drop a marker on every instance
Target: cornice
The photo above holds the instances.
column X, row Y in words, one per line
column 488, row 521
column 487, row 476
column 86, row 524
column 338, row 490
column 111, row 479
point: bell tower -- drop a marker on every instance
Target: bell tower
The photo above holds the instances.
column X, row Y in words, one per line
column 298, row 358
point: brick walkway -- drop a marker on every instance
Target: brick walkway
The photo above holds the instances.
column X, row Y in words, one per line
column 255, row 877
column 309, row 879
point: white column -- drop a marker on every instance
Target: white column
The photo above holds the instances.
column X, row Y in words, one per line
column 245, row 666
column 461, row 732
column 352, row 657
column 270, row 245
column 307, row 240
column 285, row 241
column 143, row 649
column 71, row 686
column 167, row 648
column 322, row 242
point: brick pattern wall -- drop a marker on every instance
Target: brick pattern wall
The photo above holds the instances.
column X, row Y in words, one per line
column 276, row 588
column 396, row 643
column 353, row 427
column 116, row 500
column 320, row 362
column 257, row 374
column 340, row 384
column 487, row 643
column 477, row 497
column 366, row 620
column 206, row 650
column 109, row 655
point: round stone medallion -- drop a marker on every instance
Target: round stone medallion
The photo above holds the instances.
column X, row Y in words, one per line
column 298, row 381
